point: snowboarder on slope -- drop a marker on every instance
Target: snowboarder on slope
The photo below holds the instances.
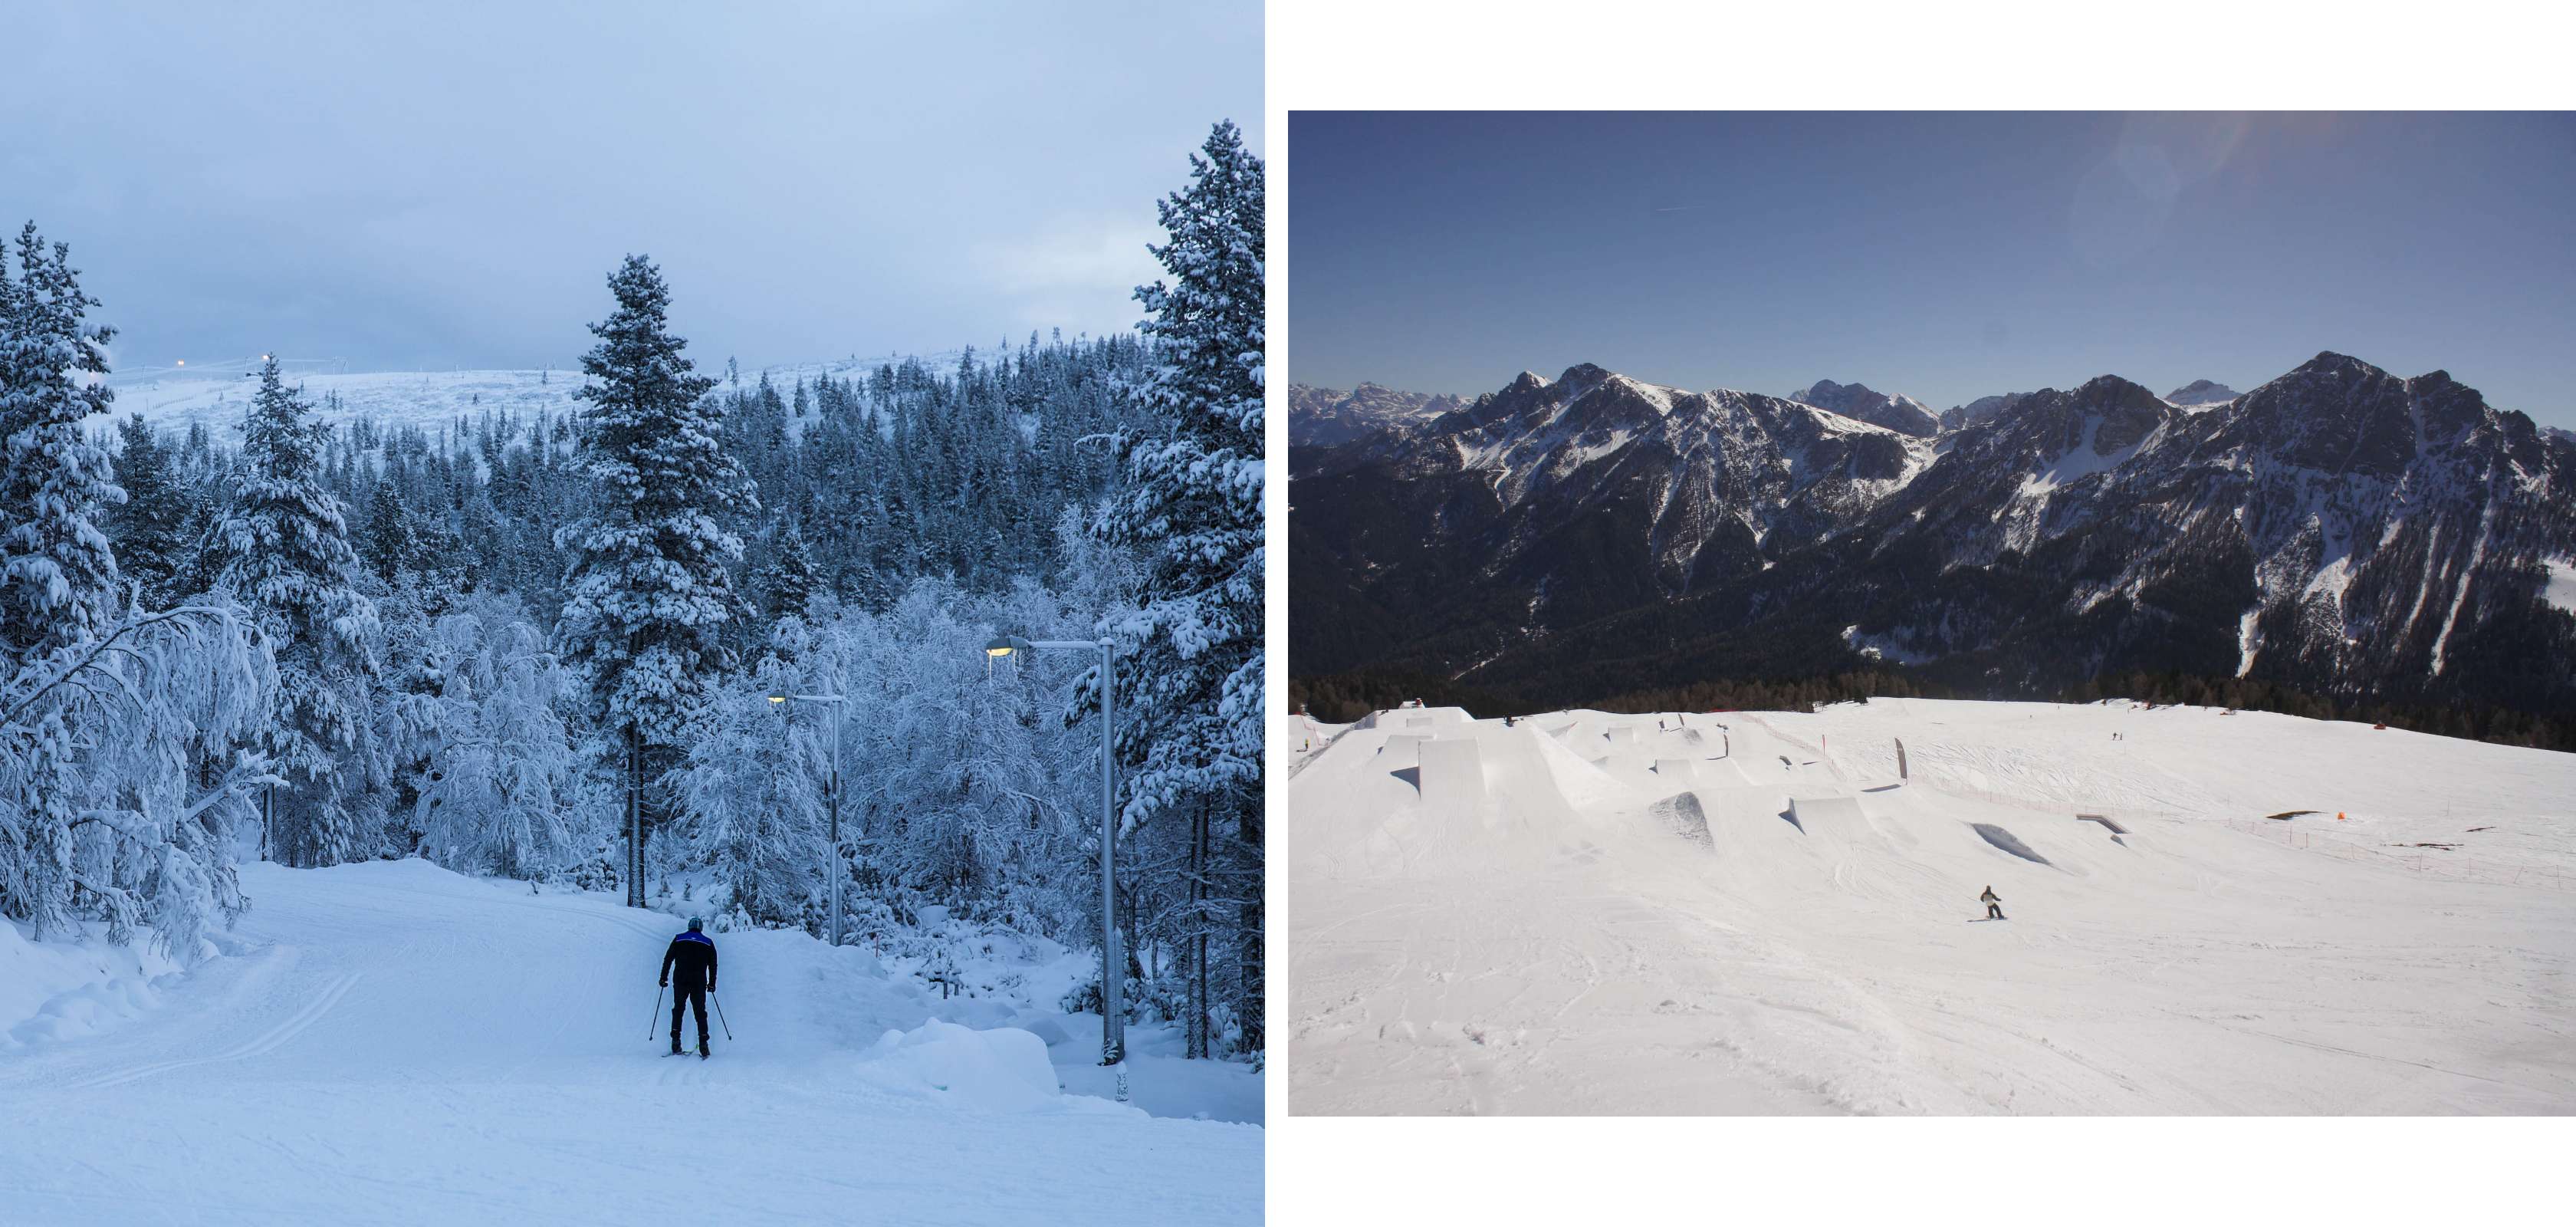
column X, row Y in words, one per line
column 1993, row 902
column 695, row 957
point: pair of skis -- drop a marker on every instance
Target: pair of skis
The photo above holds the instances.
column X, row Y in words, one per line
column 703, row 1050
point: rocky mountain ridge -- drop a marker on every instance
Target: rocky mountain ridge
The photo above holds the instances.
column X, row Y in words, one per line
column 2339, row 528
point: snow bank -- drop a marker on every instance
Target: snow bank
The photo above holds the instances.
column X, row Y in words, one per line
column 61, row 990
column 1002, row 1070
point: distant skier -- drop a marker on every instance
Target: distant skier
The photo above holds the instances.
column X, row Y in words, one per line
column 695, row 957
column 1993, row 902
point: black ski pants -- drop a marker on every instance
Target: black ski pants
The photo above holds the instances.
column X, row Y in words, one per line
column 685, row 995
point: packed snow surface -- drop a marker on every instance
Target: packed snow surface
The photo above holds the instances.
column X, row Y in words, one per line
column 1752, row 913
column 393, row 1043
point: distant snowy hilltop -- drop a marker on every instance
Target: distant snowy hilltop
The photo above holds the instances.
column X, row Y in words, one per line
column 217, row 394
column 2339, row 529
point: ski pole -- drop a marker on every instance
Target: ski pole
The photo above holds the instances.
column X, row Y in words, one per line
column 720, row 1018
column 655, row 1016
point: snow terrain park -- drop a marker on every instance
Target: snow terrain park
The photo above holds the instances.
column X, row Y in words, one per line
column 389, row 1041
column 2204, row 912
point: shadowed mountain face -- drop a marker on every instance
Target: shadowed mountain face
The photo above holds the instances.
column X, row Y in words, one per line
column 1978, row 410
column 2338, row 529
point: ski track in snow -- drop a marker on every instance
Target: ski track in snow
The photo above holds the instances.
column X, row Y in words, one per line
column 399, row 1044
column 1554, row 948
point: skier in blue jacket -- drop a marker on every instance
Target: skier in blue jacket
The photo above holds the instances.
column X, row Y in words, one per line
column 694, row 956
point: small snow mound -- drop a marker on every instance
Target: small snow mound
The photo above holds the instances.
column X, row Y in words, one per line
column 1001, row 1070
column 64, row 990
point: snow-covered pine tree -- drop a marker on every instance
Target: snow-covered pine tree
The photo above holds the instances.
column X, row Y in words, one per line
column 649, row 592
column 497, row 759
column 104, row 710
column 959, row 801
column 1192, row 506
column 752, row 789
column 58, row 584
column 103, row 814
column 151, row 531
column 281, row 546
column 787, row 584
column 389, row 542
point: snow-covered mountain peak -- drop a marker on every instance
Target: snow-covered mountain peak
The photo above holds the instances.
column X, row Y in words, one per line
column 1902, row 414
column 1327, row 417
column 2335, row 527
column 2200, row 392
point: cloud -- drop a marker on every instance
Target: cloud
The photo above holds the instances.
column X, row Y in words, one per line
column 1069, row 273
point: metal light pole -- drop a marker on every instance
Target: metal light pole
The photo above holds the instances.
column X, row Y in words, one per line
column 1113, row 960
column 839, row 870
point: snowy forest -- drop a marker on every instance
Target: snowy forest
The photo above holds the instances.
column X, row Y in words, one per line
column 546, row 649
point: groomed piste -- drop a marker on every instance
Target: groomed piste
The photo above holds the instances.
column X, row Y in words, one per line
column 389, row 1042
column 1757, row 913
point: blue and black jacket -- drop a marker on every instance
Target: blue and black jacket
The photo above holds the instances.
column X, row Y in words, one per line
column 694, row 955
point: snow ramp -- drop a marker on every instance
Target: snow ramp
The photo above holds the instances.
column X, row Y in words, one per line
column 1413, row 719
column 1830, row 816
column 1400, row 751
column 1453, row 774
column 2007, row 841
column 1747, row 816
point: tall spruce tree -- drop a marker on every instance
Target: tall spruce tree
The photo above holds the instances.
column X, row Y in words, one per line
column 1192, row 508
column 57, row 573
column 151, row 531
column 649, row 592
column 281, row 546
column 58, row 583
column 390, row 544
column 787, row 583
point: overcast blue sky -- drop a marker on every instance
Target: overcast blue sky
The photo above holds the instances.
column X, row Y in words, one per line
column 448, row 185
column 1946, row 257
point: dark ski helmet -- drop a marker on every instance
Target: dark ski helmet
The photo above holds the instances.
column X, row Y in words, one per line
column 693, row 924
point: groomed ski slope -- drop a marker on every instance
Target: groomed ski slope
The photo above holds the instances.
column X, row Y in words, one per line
column 393, row 1043
column 1749, row 913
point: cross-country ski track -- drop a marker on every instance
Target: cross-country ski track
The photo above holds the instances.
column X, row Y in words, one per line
column 393, row 1043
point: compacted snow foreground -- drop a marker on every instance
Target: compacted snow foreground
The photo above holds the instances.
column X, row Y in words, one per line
column 393, row 1043
column 1755, row 913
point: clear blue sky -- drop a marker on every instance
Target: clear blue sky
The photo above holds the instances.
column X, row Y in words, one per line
column 449, row 184
column 1946, row 257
